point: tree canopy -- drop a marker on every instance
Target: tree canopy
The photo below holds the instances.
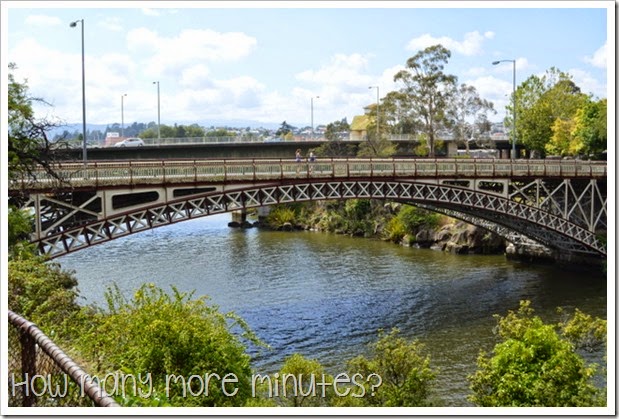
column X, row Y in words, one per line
column 466, row 105
column 28, row 144
column 533, row 366
column 428, row 90
column 545, row 105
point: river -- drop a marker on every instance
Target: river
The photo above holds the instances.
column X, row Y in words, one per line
column 326, row 296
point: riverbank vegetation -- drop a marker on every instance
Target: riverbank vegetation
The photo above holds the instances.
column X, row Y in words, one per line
column 395, row 222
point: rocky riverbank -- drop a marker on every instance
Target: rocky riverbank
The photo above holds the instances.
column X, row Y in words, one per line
column 371, row 220
column 428, row 230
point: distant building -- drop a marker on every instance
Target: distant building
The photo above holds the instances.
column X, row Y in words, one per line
column 360, row 123
column 112, row 138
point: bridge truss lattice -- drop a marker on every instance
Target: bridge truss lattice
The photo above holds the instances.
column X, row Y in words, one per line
column 559, row 204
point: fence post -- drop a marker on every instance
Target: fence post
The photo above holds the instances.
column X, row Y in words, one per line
column 28, row 366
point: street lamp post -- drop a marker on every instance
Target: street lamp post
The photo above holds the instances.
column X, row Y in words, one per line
column 122, row 115
column 73, row 25
column 377, row 112
column 513, row 104
column 158, row 112
column 312, row 111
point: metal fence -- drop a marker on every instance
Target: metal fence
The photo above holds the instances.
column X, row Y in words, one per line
column 140, row 172
column 41, row 374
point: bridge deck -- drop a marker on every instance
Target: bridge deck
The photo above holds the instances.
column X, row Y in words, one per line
column 127, row 173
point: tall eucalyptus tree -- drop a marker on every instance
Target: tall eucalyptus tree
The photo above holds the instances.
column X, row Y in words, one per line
column 428, row 89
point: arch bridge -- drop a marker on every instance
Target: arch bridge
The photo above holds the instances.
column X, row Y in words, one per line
column 561, row 204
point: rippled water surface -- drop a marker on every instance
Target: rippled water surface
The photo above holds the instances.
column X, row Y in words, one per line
column 326, row 296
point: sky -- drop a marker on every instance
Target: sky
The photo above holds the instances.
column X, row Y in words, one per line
column 270, row 62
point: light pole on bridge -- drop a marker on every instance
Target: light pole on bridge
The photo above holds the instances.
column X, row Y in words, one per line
column 513, row 103
column 158, row 112
column 73, row 25
column 122, row 115
column 377, row 111
column 312, row 112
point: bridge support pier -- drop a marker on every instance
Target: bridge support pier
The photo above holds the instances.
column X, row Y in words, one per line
column 239, row 216
column 543, row 255
column 239, row 219
column 263, row 213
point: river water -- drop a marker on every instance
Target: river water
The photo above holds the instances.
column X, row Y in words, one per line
column 326, row 296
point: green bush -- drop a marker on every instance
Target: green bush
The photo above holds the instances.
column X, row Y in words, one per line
column 413, row 218
column 395, row 230
column 163, row 335
column 298, row 380
column 533, row 366
column 43, row 293
column 405, row 373
column 279, row 216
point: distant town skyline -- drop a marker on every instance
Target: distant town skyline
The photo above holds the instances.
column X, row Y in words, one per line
column 271, row 62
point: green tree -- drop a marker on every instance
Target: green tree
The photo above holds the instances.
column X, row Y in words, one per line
column 175, row 334
column 219, row 133
column 405, row 373
column 540, row 101
column 395, row 116
column 532, row 366
column 28, row 144
column 194, row 131
column 464, row 106
column 43, row 293
column 168, row 131
column 428, row 90
column 299, row 386
column 562, row 142
column 335, row 147
column 284, row 130
column 373, row 147
column 590, row 128
column 19, row 229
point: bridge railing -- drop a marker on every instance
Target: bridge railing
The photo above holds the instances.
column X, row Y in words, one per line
column 111, row 173
column 41, row 374
column 249, row 139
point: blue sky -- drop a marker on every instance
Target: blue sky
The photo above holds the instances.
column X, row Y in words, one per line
column 265, row 61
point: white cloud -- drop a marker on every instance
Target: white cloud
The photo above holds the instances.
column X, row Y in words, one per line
column 496, row 90
column 43, row 20
column 172, row 54
column 111, row 23
column 343, row 86
column 470, row 45
column 195, row 76
column 151, row 12
column 588, row 83
column 599, row 57
column 343, row 70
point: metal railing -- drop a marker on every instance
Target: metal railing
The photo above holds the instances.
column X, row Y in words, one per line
column 252, row 139
column 127, row 173
column 41, row 374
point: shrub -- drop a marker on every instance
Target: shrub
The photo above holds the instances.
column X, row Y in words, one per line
column 532, row 366
column 405, row 372
column 167, row 335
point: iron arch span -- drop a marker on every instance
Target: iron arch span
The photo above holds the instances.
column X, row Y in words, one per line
column 538, row 223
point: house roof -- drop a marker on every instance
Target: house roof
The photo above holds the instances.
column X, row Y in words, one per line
column 360, row 123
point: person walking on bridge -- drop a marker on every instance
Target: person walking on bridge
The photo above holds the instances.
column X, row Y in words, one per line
column 298, row 158
column 311, row 159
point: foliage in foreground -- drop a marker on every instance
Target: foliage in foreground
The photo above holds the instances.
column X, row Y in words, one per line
column 396, row 374
column 406, row 376
column 534, row 366
column 167, row 335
